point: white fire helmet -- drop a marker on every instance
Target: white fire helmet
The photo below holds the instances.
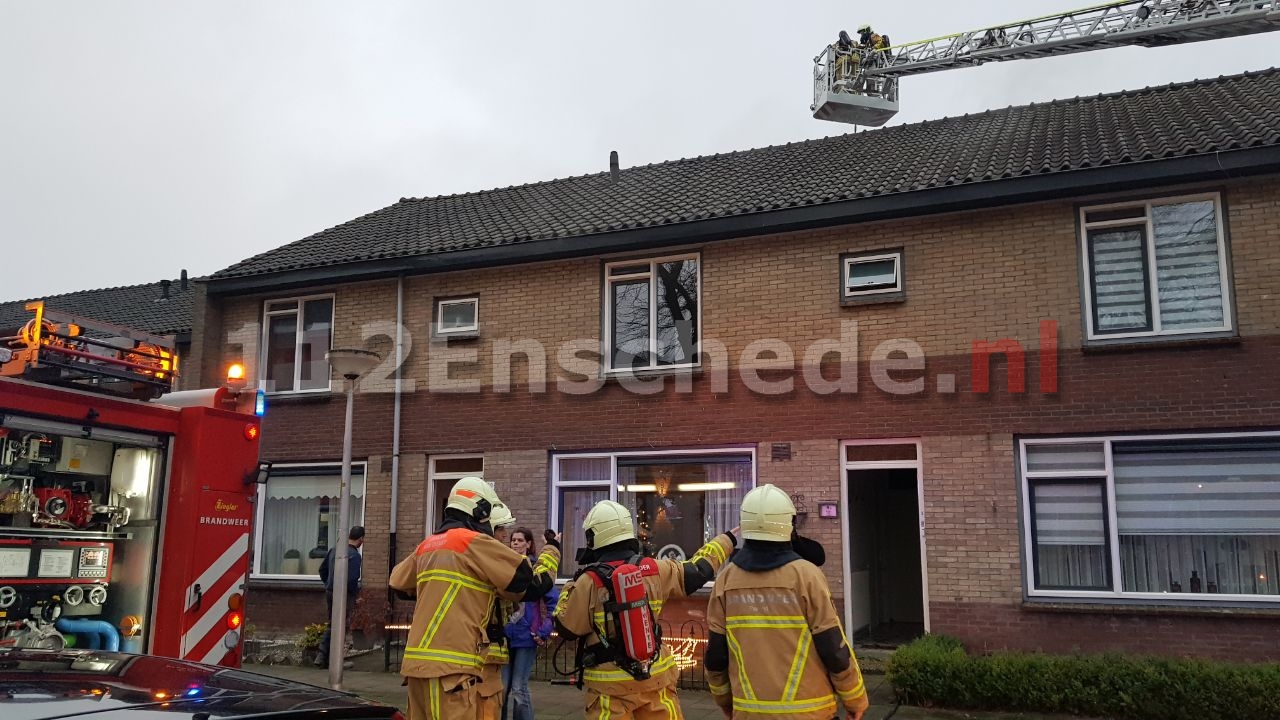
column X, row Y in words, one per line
column 607, row 523
column 501, row 516
column 474, row 497
column 767, row 514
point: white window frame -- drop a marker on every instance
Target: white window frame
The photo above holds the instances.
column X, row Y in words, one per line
column 651, row 274
column 433, row 475
column 471, row 329
column 556, row 484
column 1107, row 476
column 267, row 314
column 260, row 511
column 1224, row 275
column 850, row 261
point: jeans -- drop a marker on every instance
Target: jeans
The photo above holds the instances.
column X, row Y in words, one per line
column 515, row 678
column 322, row 653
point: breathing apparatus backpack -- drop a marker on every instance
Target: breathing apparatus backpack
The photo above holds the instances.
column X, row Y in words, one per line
column 631, row 638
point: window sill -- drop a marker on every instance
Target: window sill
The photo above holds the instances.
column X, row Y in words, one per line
column 307, row 584
column 1167, row 342
column 460, row 335
column 617, row 376
column 310, row 397
column 889, row 298
column 1146, row 607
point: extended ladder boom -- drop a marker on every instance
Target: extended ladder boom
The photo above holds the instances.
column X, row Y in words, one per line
column 1148, row 23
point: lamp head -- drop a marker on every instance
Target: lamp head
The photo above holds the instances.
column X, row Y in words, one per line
column 351, row 363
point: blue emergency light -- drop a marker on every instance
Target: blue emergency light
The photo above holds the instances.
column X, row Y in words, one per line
column 260, row 402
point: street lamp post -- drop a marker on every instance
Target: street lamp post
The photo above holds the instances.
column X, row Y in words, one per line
column 351, row 364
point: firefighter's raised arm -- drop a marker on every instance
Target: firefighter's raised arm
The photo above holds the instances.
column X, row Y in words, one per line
column 701, row 568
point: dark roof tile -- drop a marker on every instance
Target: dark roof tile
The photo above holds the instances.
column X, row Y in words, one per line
column 141, row 307
column 1186, row 119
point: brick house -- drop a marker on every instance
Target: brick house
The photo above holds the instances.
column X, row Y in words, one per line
column 1016, row 368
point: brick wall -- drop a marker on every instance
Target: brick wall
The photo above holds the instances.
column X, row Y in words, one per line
column 969, row 276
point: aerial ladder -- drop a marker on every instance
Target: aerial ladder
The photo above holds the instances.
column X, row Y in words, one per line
column 860, row 85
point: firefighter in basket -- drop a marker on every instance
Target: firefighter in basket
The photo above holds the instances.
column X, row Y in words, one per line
column 612, row 606
column 454, row 575
column 490, row 688
column 776, row 648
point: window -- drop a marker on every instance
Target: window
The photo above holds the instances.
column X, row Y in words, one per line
column 679, row 499
column 1156, row 268
column 872, row 277
column 458, row 316
column 652, row 313
column 297, row 335
column 298, row 518
column 1190, row 517
column 446, row 470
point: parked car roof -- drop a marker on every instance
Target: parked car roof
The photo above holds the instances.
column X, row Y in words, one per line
column 45, row 684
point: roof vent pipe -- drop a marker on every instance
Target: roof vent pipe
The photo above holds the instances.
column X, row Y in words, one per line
column 613, row 165
column 164, row 289
column 182, row 284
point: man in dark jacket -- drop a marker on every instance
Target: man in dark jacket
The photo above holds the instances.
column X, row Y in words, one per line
column 354, row 540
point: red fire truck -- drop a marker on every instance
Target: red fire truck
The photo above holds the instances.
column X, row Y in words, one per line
column 125, row 510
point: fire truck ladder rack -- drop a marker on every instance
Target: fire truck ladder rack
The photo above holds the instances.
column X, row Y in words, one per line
column 869, row 94
column 62, row 349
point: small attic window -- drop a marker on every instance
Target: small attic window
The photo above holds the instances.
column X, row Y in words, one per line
column 458, row 316
column 872, row 277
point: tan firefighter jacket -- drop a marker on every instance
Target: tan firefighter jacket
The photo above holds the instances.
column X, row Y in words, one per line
column 454, row 576
column 776, row 647
column 580, row 613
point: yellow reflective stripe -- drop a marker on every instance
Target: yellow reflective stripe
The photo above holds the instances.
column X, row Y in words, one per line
column 797, row 666
column 454, row 577
column 706, row 551
column 668, row 701
column 433, row 688
column 664, row 663
column 548, row 562
column 736, row 649
column 718, row 689
column 766, row 621
column 604, row 707
column 858, row 691
column 434, row 626
column 497, row 654
column 782, row 707
column 447, row 656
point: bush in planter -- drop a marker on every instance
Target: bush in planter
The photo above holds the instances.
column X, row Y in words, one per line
column 309, row 643
column 936, row 670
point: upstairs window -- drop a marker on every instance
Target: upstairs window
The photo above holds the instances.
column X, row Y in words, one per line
column 872, row 277
column 1156, row 268
column 652, row 311
column 458, row 316
column 297, row 333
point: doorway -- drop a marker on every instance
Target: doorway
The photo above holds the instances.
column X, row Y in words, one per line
column 885, row 581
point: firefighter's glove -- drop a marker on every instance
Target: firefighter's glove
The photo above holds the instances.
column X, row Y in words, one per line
column 857, row 706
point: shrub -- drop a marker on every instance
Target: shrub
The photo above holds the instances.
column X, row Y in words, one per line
column 311, row 636
column 936, row 671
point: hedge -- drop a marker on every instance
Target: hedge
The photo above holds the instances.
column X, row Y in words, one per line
column 936, row 671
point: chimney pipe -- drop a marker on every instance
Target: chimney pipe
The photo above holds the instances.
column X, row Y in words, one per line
column 613, row 165
column 182, row 284
column 164, row 289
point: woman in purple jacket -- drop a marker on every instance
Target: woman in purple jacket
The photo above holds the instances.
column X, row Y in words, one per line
column 528, row 628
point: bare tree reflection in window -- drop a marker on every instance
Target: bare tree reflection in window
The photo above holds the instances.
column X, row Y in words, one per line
column 631, row 324
column 677, row 317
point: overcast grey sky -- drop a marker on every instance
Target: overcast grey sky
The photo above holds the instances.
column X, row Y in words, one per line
column 139, row 138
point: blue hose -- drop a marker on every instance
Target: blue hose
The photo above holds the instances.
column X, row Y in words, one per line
column 95, row 631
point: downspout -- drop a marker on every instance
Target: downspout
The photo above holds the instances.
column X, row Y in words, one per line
column 392, row 554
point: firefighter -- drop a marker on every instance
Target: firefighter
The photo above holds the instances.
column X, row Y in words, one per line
column 454, row 576
column 776, row 647
column 581, row 613
column 490, row 688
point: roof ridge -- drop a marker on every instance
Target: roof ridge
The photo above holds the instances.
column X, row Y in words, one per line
column 174, row 287
column 1077, row 100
